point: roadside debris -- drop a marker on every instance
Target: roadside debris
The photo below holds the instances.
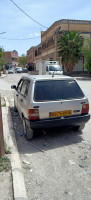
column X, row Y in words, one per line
column 31, row 170
column 85, row 142
column 26, row 162
column 82, row 165
column 68, row 193
column 72, row 162
column 21, row 134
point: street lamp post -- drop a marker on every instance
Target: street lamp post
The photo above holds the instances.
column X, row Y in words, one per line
column 1, row 132
column 1, row 128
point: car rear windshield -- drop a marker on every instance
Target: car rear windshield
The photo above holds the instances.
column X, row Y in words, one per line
column 53, row 90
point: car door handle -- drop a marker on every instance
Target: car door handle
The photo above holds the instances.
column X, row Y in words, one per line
column 21, row 100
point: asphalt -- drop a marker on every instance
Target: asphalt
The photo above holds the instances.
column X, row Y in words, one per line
column 78, row 76
column 19, row 189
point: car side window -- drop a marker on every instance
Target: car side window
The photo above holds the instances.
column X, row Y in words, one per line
column 25, row 87
column 19, row 85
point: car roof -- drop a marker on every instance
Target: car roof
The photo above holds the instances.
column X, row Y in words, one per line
column 47, row 77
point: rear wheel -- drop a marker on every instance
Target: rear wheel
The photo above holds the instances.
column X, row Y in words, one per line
column 15, row 108
column 28, row 133
column 80, row 127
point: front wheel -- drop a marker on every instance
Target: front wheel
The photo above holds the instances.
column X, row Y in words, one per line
column 28, row 133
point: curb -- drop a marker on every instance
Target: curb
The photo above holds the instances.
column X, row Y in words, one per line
column 4, row 75
column 19, row 190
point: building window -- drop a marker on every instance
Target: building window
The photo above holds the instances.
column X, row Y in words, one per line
column 35, row 52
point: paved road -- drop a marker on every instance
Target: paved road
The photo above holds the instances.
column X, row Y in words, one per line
column 56, row 165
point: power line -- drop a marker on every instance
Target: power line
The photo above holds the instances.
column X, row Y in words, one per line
column 2, row 32
column 27, row 14
column 19, row 39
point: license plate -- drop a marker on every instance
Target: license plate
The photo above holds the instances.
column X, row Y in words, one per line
column 60, row 113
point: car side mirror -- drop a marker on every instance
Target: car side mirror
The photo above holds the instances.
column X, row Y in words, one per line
column 47, row 69
column 13, row 87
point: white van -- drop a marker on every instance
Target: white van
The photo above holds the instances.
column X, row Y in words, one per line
column 49, row 67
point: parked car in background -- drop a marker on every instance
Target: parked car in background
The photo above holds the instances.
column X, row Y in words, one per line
column 50, row 101
column 25, row 70
column 11, row 70
column 18, row 69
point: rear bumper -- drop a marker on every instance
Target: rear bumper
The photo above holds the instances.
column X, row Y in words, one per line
column 50, row 123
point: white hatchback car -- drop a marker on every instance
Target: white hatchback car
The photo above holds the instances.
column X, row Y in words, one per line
column 45, row 101
column 18, row 69
column 11, row 70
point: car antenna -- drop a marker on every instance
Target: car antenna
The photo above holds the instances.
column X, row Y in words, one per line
column 53, row 74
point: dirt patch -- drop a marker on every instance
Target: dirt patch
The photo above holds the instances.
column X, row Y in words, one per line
column 6, row 192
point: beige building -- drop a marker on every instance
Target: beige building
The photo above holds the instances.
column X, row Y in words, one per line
column 47, row 49
column 30, row 55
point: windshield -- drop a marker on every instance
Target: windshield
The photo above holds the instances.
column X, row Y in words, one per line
column 18, row 68
column 55, row 68
column 53, row 90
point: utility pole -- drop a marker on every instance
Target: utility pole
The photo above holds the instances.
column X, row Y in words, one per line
column 1, row 133
column 56, row 37
column 56, row 45
column 46, row 46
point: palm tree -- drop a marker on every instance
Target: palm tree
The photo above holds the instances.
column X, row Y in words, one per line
column 87, row 54
column 69, row 46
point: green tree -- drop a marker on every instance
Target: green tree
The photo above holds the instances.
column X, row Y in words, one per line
column 2, row 62
column 69, row 49
column 23, row 60
column 87, row 54
column 15, row 51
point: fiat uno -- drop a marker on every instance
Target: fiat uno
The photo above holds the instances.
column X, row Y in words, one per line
column 45, row 101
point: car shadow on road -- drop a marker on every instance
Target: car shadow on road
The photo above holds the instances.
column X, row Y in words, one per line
column 44, row 140
column 50, row 140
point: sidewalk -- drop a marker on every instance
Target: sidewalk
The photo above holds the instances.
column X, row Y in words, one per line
column 18, row 183
column 82, row 76
column 3, row 75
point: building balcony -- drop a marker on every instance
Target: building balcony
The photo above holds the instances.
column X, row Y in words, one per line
column 38, row 57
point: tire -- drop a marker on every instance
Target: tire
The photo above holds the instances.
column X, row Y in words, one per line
column 80, row 127
column 28, row 133
column 15, row 109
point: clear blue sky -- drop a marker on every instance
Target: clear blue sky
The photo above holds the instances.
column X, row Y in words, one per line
column 19, row 26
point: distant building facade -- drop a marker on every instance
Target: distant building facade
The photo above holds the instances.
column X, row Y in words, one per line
column 11, row 58
column 48, row 48
column 30, row 57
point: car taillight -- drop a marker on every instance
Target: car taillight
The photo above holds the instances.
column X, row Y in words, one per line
column 33, row 114
column 85, row 108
